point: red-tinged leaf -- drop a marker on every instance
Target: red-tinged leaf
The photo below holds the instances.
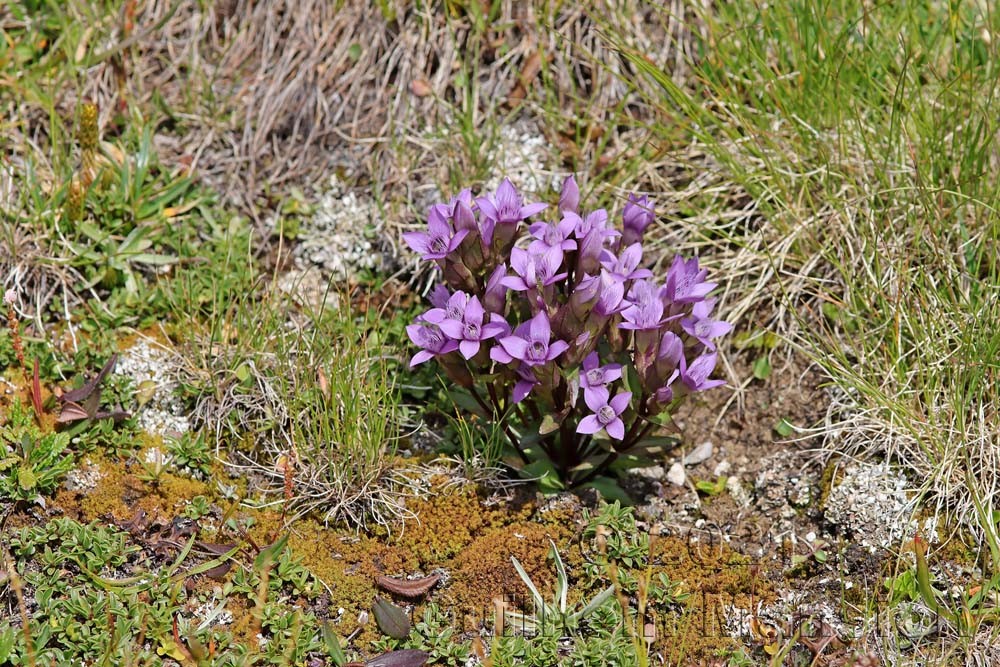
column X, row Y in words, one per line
column 219, row 572
column 71, row 412
column 88, row 388
column 408, row 588
column 408, row 658
column 391, row 619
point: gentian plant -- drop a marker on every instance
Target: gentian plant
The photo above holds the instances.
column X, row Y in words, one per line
column 548, row 324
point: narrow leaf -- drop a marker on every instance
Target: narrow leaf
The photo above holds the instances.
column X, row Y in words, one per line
column 332, row 644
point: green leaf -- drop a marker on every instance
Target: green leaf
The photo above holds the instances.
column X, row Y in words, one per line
column 784, row 428
column 547, row 476
column 26, row 479
column 332, row 644
column 710, row 488
column 762, row 368
column 269, row 554
column 391, row 619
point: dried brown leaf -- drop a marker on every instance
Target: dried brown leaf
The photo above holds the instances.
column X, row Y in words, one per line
column 408, row 588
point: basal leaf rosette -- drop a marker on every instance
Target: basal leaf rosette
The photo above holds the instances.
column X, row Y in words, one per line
column 548, row 323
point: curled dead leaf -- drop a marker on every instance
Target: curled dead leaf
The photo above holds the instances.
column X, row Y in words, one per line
column 408, row 588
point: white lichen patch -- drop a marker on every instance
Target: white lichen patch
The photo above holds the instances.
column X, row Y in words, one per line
column 83, row 478
column 342, row 235
column 871, row 503
column 155, row 373
column 521, row 154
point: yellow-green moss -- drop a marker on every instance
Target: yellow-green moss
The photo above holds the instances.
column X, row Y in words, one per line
column 716, row 579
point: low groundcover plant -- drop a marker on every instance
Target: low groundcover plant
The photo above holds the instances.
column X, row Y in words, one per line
column 558, row 334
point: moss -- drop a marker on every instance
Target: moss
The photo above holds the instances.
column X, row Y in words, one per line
column 119, row 493
column 483, row 570
column 447, row 522
column 719, row 582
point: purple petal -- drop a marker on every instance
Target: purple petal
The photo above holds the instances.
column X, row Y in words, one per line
column 612, row 372
column 588, row 425
column 499, row 355
column 514, row 346
column 420, row 357
column 493, row 329
column 487, row 208
column 418, row 241
column 515, row 283
column 616, row 429
column 522, row 389
column 469, row 348
column 453, row 329
column 590, row 361
column 620, row 401
column 596, row 397
column 557, row 348
column 474, row 311
column 532, row 209
column 539, row 328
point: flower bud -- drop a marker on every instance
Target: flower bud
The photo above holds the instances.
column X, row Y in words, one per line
column 569, row 197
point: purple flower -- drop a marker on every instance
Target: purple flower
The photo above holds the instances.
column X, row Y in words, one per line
column 470, row 331
column 685, row 282
column 452, row 309
column 439, row 296
column 637, row 215
column 552, row 235
column 569, row 196
column 594, row 377
column 530, row 343
column 695, row 376
column 534, row 269
column 505, row 207
column 646, row 310
column 430, row 339
column 525, row 383
column 593, row 234
column 669, row 355
column 439, row 240
column 611, row 298
column 702, row 327
column 607, row 414
column 625, row 267
column 495, row 295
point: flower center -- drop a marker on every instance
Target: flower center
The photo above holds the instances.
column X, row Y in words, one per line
column 453, row 313
column 702, row 329
column 472, row 331
column 552, row 237
column 432, row 337
column 439, row 244
column 595, row 376
column 538, row 350
column 606, row 415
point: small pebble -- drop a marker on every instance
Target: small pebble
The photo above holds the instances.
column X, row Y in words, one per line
column 700, row 453
column 676, row 475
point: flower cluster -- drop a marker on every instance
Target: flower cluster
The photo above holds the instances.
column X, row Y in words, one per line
column 560, row 329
